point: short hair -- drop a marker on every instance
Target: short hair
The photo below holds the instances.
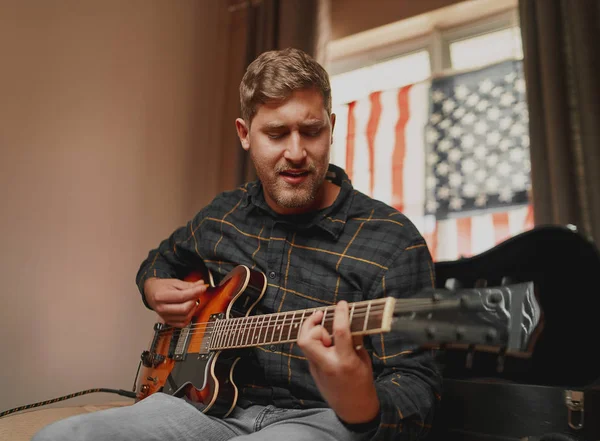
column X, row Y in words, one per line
column 275, row 74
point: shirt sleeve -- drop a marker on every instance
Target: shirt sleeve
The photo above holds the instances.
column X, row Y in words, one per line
column 408, row 379
column 174, row 257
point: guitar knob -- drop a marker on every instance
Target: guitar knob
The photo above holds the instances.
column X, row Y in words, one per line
column 430, row 332
column 491, row 335
column 481, row 283
column 453, row 284
column 146, row 359
column 507, row 280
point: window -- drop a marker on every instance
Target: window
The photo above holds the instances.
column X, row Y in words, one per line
column 396, row 72
column 389, row 156
column 482, row 50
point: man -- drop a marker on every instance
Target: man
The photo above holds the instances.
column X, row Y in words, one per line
column 320, row 243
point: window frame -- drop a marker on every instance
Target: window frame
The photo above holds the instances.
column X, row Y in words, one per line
column 422, row 33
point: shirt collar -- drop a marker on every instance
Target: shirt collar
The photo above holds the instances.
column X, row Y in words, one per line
column 331, row 219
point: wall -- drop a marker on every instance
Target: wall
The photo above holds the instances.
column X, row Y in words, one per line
column 108, row 141
column 353, row 16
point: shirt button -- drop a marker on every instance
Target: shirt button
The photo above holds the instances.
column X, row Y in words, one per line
column 272, row 275
column 272, row 347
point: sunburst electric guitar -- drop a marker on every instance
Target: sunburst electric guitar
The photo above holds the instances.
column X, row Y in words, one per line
column 198, row 361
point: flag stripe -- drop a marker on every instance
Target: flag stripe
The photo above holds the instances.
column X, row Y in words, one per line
column 463, row 230
column 501, row 229
column 375, row 99
column 350, row 140
column 400, row 150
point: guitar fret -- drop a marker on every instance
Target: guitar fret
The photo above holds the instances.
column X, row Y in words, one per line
column 297, row 327
column 234, row 332
column 250, row 331
column 267, row 330
column 284, row 318
column 256, row 330
column 243, row 328
column 213, row 335
column 274, row 328
column 219, row 339
column 226, row 326
column 289, row 337
column 351, row 315
column 229, row 333
column 367, row 316
column 259, row 330
column 225, row 329
column 238, row 332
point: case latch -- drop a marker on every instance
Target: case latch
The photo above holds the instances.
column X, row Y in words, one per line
column 574, row 402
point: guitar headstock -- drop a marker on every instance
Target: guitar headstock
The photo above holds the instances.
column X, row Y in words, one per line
column 497, row 318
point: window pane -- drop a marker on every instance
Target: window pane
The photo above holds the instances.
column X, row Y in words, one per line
column 397, row 72
column 486, row 49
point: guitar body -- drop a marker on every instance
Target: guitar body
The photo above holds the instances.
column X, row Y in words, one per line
column 179, row 363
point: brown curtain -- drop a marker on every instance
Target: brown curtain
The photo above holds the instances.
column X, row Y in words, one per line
column 255, row 26
column 562, row 70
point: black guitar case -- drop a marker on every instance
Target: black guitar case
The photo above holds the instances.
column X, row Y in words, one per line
column 551, row 391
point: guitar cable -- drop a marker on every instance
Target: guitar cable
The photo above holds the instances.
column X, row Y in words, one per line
column 122, row 392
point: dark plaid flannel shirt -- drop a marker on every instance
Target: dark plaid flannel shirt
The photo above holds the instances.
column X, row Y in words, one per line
column 356, row 249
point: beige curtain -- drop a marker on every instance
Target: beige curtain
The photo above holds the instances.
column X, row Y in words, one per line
column 562, row 67
column 252, row 27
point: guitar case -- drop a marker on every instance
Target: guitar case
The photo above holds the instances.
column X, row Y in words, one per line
column 551, row 391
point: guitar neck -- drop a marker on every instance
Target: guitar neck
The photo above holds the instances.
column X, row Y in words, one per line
column 366, row 317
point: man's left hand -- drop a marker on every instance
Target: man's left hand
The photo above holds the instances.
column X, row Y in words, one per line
column 341, row 367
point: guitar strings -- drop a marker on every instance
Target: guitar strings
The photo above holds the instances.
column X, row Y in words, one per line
column 233, row 331
column 255, row 321
column 359, row 312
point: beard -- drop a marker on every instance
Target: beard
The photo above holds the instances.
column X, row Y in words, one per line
column 286, row 195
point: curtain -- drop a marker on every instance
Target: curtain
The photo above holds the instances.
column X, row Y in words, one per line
column 562, row 63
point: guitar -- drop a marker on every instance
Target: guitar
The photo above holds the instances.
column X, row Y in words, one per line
column 196, row 362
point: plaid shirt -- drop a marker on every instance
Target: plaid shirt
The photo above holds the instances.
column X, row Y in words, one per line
column 357, row 249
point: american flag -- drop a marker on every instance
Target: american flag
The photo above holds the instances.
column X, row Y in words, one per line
column 385, row 142
column 478, row 142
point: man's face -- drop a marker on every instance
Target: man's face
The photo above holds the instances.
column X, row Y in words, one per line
column 289, row 143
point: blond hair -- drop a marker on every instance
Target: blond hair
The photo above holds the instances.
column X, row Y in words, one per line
column 274, row 75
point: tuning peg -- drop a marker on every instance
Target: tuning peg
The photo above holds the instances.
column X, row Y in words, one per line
column 481, row 283
column 500, row 360
column 453, row 284
column 491, row 335
column 507, row 280
column 430, row 332
column 469, row 357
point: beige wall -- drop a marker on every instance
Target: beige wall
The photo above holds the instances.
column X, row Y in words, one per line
column 353, row 16
column 108, row 138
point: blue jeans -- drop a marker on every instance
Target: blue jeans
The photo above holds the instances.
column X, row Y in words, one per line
column 161, row 417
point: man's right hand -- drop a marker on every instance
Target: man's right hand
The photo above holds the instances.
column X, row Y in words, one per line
column 174, row 300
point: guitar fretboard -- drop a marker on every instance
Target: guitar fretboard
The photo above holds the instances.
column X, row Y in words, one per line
column 368, row 317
